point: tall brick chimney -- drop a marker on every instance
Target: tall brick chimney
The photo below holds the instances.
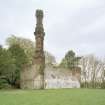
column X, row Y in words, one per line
column 39, row 58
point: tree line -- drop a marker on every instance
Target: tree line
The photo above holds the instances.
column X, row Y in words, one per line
column 92, row 72
column 20, row 52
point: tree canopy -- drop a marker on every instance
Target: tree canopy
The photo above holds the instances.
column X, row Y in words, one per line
column 11, row 63
column 26, row 44
column 70, row 60
column 20, row 52
column 29, row 48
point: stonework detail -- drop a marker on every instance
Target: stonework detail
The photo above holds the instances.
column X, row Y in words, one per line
column 37, row 76
column 39, row 58
column 56, row 77
column 33, row 75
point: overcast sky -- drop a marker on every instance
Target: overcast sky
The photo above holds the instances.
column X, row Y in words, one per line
column 69, row 24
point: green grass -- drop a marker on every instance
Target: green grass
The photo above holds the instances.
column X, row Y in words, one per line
column 53, row 97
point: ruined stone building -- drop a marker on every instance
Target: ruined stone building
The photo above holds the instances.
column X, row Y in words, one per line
column 37, row 76
column 33, row 76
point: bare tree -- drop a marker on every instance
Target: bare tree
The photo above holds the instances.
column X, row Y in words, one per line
column 103, row 75
column 91, row 70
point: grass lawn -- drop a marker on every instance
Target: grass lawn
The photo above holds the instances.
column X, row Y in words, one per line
column 53, row 97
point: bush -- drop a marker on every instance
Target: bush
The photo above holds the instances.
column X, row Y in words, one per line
column 4, row 84
column 103, row 85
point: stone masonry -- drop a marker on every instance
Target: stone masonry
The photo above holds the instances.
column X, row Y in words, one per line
column 39, row 58
column 37, row 76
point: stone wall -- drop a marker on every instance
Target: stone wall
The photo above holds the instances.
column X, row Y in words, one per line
column 54, row 77
column 37, row 76
column 27, row 77
column 62, row 78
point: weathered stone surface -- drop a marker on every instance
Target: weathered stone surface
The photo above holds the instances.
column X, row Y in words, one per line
column 61, row 78
column 54, row 77
column 39, row 58
column 33, row 76
column 37, row 76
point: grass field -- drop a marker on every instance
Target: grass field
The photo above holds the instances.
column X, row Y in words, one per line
column 53, row 97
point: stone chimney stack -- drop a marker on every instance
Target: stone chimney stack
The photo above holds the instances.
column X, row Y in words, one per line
column 39, row 59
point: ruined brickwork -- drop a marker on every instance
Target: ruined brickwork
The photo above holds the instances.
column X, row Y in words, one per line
column 33, row 76
column 37, row 76
column 54, row 77
column 39, row 58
